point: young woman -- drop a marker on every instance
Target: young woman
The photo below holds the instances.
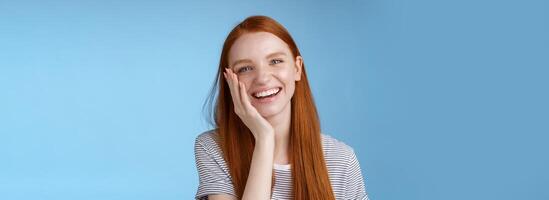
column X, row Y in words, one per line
column 267, row 143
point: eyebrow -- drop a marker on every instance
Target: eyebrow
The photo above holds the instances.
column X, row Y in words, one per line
column 276, row 54
column 250, row 61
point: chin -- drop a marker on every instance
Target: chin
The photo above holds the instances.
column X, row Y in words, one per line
column 268, row 112
column 272, row 110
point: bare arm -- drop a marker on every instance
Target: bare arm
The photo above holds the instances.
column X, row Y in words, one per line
column 258, row 185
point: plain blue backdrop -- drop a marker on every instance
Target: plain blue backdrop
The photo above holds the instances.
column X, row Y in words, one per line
column 439, row 99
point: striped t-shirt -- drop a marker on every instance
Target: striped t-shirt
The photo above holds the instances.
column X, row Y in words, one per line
column 343, row 170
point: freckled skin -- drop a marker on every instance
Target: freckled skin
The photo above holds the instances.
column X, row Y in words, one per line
column 265, row 71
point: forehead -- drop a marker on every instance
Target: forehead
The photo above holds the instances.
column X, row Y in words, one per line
column 256, row 45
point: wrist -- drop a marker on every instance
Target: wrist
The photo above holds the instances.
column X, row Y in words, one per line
column 266, row 139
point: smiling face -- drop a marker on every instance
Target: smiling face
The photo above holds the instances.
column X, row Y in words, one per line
column 266, row 66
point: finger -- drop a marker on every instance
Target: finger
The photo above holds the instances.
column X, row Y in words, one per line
column 235, row 82
column 244, row 98
column 234, row 90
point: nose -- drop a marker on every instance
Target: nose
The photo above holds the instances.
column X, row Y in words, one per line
column 263, row 75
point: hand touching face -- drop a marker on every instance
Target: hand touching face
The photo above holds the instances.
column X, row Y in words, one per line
column 268, row 71
column 259, row 126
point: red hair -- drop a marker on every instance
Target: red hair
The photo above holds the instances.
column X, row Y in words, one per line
column 309, row 172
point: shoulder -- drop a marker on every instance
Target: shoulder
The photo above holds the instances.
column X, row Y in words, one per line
column 338, row 155
column 343, row 169
column 334, row 148
column 207, row 141
column 213, row 174
column 208, row 154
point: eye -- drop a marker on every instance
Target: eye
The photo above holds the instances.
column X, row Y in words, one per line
column 244, row 69
column 276, row 61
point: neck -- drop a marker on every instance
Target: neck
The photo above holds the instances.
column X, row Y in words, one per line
column 281, row 124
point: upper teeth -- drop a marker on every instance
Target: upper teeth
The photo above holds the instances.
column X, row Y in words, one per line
column 267, row 92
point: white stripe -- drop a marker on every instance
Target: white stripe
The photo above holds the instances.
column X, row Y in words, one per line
column 343, row 170
column 282, row 167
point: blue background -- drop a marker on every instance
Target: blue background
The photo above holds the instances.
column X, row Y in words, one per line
column 439, row 99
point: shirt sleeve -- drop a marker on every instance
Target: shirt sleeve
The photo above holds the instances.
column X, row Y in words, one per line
column 212, row 172
column 355, row 182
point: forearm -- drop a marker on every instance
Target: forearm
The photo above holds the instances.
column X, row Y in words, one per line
column 258, row 185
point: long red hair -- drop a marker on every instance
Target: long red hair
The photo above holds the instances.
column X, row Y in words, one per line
column 309, row 172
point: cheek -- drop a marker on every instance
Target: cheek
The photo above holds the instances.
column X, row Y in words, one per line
column 287, row 76
column 288, row 79
column 246, row 80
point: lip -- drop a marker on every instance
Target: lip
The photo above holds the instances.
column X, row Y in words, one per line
column 264, row 89
column 265, row 100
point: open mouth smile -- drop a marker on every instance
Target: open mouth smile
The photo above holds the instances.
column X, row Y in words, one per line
column 267, row 95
